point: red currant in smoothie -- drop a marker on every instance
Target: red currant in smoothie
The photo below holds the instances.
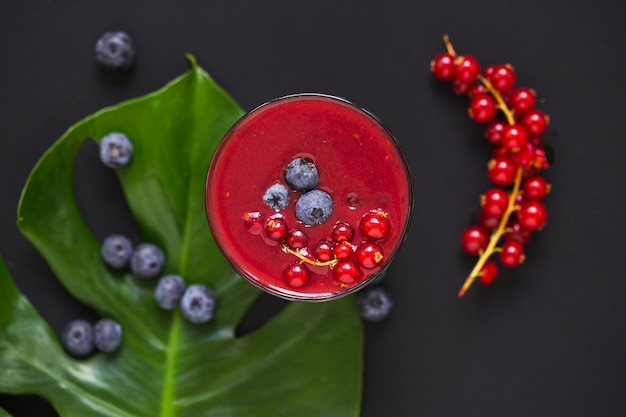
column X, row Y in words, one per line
column 309, row 197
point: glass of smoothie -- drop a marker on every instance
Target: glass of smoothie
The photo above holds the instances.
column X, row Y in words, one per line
column 309, row 197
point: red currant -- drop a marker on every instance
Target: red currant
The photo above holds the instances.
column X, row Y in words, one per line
column 342, row 231
column 535, row 188
column 516, row 233
column 531, row 158
column 474, row 240
column 501, row 171
column 297, row 239
column 514, row 138
column 466, row 69
column 375, row 225
column 530, row 172
column 541, row 158
column 477, row 88
column 498, row 152
column 502, row 77
column 495, row 202
column 532, row 215
column 253, row 222
column 482, row 108
column 442, row 66
column 323, row 251
column 511, row 254
column 369, row 255
column 343, row 250
column 488, row 273
column 487, row 221
column 522, row 100
column 535, row 122
column 297, row 275
column 494, row 131
column 460, row 88
column 276, row 228
column 488, row 70
column 524, row 156
column 536, row 141
column 347, row 272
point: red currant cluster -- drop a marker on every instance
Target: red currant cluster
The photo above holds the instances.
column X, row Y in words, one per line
column 513, row 209
column 346, row 260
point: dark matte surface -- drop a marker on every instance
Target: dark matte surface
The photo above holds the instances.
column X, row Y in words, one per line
column 548, row 339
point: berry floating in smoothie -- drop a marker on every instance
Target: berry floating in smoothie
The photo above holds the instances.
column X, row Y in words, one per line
column 309, row 197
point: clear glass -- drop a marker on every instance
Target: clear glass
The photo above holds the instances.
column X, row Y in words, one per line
column 360, row 166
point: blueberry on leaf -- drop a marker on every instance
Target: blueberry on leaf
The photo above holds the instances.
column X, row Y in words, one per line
column 115, row 150
column 301, row 174
column 115, row 50
column 78, row 338
column 374, row 304
column 147, row 260
column 198, row 303
column 314, row 207
column 276, row 196
column 116, row 251
column 168, row 291
column 108, row 335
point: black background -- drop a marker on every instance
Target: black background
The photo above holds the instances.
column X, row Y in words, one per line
column 547, row 339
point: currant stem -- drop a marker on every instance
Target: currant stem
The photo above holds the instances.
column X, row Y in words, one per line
column 501, row 104
column 448, row 44
column 306, row 260
column 496, row 235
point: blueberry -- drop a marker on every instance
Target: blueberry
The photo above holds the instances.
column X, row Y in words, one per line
column 108, row 335
column 78, row 338
column 168, row 291
column 374, row 304
column 115, row 50
column 147, row 260
column 277, row 196
column 116, row 251
column 198, row 303
column 301, row 174
column 314, row 207
column 115, row 150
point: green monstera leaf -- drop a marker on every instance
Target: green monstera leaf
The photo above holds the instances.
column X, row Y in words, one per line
column 306, row 361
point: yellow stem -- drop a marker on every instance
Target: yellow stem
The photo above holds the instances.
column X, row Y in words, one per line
column 306, row 260
column 501, row 104
column 448, row 44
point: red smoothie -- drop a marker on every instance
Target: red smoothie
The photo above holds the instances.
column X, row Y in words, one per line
column 309, row 197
